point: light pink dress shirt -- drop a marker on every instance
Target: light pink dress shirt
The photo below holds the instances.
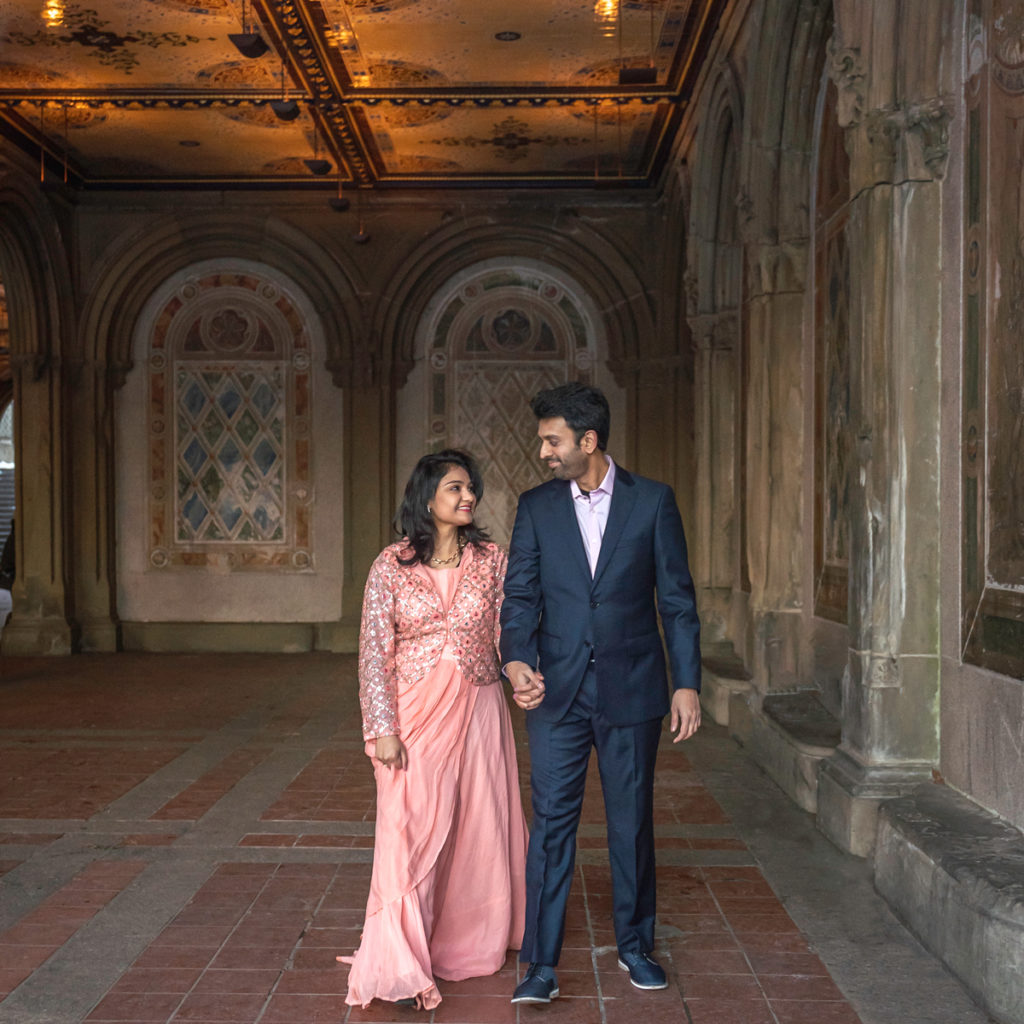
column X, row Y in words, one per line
column 592, row 513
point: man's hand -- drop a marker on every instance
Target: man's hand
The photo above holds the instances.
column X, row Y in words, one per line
column 390, row 751
column 527, row 684
column 685, row 714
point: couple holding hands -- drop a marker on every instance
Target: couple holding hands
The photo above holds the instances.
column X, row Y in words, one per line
column 571, row 618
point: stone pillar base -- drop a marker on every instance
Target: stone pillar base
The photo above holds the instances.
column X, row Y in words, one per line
column 35, row 636
column 340, row 637
column 723, row 675
column 952, row 872
column 849, row 795
column 219, row 637
column 99, row 636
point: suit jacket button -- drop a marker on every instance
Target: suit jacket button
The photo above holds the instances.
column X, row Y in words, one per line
column 594, row 604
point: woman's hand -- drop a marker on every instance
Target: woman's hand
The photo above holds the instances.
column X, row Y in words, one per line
column 390, row 751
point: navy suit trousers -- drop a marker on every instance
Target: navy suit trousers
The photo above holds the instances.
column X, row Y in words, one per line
column 559, row 753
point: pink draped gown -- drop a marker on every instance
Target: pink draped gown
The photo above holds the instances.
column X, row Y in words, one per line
column 447, row 894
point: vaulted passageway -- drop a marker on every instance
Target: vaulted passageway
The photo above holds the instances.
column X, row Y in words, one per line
column 784, row 236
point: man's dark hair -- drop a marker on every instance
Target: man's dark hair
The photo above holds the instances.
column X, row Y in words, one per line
column 581, row 406
column 413, row 519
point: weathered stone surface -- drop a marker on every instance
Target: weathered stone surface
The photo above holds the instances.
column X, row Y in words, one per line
column 804, row 717
column 955, row 874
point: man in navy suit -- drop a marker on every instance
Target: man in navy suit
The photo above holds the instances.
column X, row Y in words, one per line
column 597, row 554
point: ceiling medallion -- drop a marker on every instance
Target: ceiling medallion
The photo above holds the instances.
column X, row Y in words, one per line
column 508, row 37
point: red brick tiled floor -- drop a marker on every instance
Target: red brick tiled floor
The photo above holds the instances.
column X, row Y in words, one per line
column 222, row 808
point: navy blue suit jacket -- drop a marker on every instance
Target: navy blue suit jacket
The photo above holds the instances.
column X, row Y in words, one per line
column 555, row 616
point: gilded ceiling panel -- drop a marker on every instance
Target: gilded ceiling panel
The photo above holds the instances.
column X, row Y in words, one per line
column 298, row 92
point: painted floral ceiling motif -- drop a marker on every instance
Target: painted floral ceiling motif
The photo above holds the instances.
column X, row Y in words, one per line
column 369, row 92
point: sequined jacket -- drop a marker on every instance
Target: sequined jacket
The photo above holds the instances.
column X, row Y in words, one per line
column 404, row 629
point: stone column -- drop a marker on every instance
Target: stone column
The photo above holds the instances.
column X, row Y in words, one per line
column 368, row 451
column 778, row 547
column 39, row 620
column 714, row 558
column 92, row 525
column 896, row 136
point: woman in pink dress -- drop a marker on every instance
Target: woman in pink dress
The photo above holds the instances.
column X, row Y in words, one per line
column 447, row 896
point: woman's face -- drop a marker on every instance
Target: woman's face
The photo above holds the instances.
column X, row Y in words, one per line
column 454, row 500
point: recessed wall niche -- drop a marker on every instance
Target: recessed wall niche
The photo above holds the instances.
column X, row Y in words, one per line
column 229, row 428
column 228, row 510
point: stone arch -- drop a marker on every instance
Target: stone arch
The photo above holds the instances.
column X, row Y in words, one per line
column 131, row 269
column 714, row 277
column 137, row 265
column 34, row 267
column 570, row 247
column 778, row 136
column 718, row 145
column 223, row 463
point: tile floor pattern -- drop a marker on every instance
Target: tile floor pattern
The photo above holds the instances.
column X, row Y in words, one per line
column 188, row 838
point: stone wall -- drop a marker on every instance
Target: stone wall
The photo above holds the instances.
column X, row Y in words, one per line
column 163, row 552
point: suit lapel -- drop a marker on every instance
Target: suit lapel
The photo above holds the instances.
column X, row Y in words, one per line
column 567, row 527
column 623, row 500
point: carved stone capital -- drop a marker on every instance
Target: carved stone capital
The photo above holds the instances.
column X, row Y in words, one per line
column 777, row 268
column 907, row 142
column 847, row 72
column 930, row 123
column 32, row 363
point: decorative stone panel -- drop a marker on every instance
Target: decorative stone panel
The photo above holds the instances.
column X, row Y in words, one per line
column 229, row 410
column 992, row 462
column 501, row 337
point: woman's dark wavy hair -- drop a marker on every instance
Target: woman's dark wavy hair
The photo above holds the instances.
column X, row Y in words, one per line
column 413, row 519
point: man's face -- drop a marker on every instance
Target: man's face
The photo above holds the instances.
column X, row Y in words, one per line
column 558, row 448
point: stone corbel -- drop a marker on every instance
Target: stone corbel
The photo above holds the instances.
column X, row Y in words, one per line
column 778, row 268
column 911, row 142
column 117, row 372
column 725, row 333
column 361, row 369
column 34, row 363
column 930, row 123
column 847, row 72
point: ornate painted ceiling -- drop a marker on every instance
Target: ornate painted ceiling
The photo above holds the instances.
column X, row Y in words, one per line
column 145, row 93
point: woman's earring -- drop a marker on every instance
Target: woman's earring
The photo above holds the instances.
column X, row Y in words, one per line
column 429, row 509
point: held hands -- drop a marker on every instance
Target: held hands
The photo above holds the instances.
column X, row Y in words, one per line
column 685, row 714
column 390, row 751
column 527, row 684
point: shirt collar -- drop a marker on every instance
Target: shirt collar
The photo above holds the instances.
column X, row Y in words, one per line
column 604, row 488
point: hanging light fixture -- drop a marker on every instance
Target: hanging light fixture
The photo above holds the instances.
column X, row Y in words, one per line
column 317, row 166
column 249, row 44
column 284, row 108
column 339, row 202
column 361, row 236
column 637, row 76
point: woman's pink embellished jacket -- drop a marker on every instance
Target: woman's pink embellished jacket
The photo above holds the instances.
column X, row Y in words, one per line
column 404, row 629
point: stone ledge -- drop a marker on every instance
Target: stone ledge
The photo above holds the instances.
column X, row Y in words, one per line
column 789, row 736
column 954, row 873
column 723, row 676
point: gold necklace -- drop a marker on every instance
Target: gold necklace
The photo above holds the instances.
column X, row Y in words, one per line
column 451, row 559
